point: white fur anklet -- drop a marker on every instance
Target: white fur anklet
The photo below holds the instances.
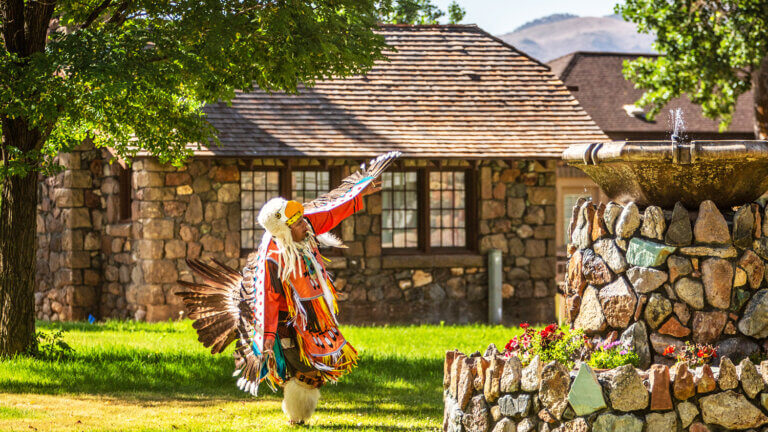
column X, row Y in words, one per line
column 299, row 400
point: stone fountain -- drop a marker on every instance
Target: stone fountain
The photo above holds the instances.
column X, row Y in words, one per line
column 677, row 256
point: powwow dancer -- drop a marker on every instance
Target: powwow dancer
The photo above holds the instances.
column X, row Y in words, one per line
column 281, row 311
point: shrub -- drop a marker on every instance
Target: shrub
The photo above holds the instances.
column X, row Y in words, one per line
column 50, row 345
column 567, row 346
column 613, row 355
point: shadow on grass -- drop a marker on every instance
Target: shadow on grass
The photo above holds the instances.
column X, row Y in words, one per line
column 114, row 325
column 389, row 385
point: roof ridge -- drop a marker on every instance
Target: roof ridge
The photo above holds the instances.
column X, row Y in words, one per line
column 607, row 53
column 426, row 26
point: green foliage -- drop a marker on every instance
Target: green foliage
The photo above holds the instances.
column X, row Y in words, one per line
column 566, row 346
column 613, row 357
column 136, row 75
column 455, row 13
column 551, row 343
column 564, row 350
column 710, row 51
column 50, row 346
column 418, row 12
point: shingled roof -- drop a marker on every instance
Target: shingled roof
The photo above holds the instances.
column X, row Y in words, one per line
column 596, row 80
column 447, row 91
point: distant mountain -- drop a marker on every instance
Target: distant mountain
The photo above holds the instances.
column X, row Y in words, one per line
column 555, row 35
column 545, row 20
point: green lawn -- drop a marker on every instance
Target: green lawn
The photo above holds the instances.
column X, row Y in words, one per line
column 157, row 377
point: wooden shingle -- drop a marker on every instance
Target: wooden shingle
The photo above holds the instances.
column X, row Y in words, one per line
column 448, row 91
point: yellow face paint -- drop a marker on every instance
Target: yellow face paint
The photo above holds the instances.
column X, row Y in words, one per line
column 293, row 211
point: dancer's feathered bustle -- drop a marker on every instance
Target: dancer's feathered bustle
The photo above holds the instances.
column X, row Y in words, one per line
column 228, row 306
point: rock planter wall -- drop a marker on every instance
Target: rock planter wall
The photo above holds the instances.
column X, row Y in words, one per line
column 668, row 277
column 492, row 393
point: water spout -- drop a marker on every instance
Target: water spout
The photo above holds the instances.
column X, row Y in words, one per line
column 678, row 125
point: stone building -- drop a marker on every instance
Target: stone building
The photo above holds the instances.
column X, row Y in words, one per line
column 481, row 127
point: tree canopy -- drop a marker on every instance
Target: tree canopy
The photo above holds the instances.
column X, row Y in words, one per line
column 418, row 12
column 134, row 75
column 713, row 51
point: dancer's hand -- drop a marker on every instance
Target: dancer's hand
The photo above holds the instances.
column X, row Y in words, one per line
column 269, row 345
column 372, row 188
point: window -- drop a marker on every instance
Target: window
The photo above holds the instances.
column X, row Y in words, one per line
column 307, row 185
column 399, row 210
column 256, row 188
column 447, row 209
column 426, row 210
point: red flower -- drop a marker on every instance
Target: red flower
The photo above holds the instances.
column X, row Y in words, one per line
column 670, row 349
column 524, row 325
column 701, row 353
column 512, row 345
column 550, row 328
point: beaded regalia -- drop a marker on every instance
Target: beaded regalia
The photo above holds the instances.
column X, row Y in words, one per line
column 284, row 298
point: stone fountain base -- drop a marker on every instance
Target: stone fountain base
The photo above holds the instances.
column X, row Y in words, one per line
column 668, row 277
column 492, row 393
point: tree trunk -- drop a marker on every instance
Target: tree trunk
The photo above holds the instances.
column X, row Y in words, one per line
column 24, row 26
column 17, row 263
column 760, row 85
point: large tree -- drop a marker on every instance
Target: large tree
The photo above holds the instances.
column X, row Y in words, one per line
column 711, row 50
column 134, row 74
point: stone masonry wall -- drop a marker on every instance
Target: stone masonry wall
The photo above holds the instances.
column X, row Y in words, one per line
column 179, row 213
column 116, row 248
column 677, row 275
column 194, row 212
column 516, row 214
column 69, row 225
column 493, row 393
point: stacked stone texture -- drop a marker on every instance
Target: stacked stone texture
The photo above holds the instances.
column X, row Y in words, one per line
column 128, row 268
column 69, row 225
column 493, row 393
column 179, row 213
column 116, row 246
column 516, row 212
column 667, row 277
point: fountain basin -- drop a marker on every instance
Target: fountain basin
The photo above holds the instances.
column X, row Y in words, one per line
column 662, row 172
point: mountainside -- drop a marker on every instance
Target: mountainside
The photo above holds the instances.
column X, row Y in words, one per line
column 554, row 37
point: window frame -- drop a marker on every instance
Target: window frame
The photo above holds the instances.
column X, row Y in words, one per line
column 285, row 188
column 280, row 182
column 423, row 209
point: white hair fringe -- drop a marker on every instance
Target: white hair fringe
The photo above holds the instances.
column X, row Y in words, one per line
column 271, row 218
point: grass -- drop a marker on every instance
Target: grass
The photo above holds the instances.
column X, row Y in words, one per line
column 157, row 377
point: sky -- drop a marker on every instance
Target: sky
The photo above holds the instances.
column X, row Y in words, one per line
column 503, row 16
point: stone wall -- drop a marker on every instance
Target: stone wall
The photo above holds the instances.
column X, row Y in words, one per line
column 492, row 393
column 116, row 247
column 179, row 213
column 194, row 212
column 69, row 225
column 670, row 276
column 516, row 214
